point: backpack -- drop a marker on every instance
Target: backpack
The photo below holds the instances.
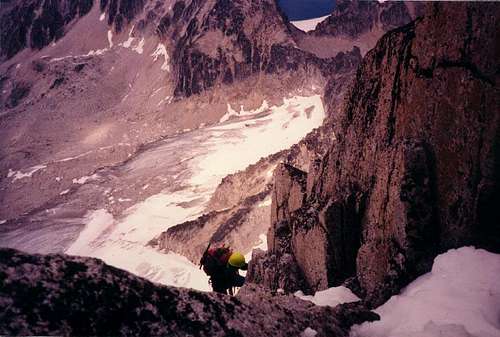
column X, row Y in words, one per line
column 214, row 260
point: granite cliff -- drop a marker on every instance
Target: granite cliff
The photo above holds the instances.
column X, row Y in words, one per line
column 414, row 170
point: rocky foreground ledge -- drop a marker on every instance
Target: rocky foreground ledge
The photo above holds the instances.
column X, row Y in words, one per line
column 66, row 295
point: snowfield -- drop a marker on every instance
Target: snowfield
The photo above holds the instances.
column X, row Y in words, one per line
column 330, row 297
column 460, row 297
column 308, row 25
column 195, row 162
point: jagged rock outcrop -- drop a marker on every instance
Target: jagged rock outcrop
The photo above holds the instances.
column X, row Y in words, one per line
column 237, row 227
column 353, row 18
column 356, row 23
column 62, row 295
column 415, row 168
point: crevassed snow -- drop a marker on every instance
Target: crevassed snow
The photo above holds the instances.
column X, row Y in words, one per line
column 308, row 25
column 206, row 157
column 285, row 126
column 27, row 174
column 330, row 297
column 159, row 51
column 84, row 179
column 460, row 297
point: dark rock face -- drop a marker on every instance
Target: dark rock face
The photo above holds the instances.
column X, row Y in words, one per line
column 63, row 295
column 121, row 12
column 36, row 23
column 227, row 41
column 353, row 18
column 414, row 170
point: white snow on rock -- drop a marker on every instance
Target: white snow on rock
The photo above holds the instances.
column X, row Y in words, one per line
column 64, row 192
column 308, row 332
column 84, row 179
column 2, row 222
column 16, row 175
column 140, row 47
column 102, row 17
column 308, row 25
column 460, row 297
column 159, row 51
column 262, row 244
column 265, row 203
column 330, row 297
column 95, row 52
column 230, row 112
column 110, row 38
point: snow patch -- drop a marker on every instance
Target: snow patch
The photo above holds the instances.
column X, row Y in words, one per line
column 330, row 297
column 110, row 39
column 460, row 297
column 308, row 332
column 159, row 51
column 140, row 47
column 29, row 172
column 102, row 17
column 231, row 112
column 58, row 179
column 2, row 222
column 157, row 91
column 130, row 39
column 96, row 52
column 265, row 203
column 64, row 192
column 166, row 100
column 308, row 25
column 262, row 245
column 84, row 179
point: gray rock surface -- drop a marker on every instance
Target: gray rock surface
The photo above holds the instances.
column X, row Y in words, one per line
column 62, row 295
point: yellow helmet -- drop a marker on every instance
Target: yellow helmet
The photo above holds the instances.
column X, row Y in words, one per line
column 237, row 260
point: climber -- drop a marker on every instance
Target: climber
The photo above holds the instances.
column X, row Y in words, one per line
column 222, row 265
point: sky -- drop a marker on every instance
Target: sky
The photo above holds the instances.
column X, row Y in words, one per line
column 306, row 9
